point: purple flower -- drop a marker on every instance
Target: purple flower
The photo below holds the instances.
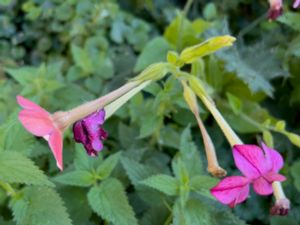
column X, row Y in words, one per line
column 296, row 4
column 90, row 133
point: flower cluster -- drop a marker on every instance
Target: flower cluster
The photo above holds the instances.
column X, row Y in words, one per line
column 260, row 167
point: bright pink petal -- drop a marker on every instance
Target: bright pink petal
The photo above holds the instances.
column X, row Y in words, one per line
column 262, row 186
column 273, row 158
column 250, row 160
column 56, row 145
column 27, row 104
column 231, row 190
column 35, row 122
column 296, row 4
column 271, row 177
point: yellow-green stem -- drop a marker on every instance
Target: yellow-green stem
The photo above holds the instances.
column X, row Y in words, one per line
column 8, row 188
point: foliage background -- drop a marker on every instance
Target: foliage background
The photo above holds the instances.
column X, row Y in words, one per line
column 152, row 169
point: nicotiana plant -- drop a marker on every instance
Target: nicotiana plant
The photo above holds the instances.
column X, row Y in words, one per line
column 260, row 166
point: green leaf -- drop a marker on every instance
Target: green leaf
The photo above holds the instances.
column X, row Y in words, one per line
column 196, row 212
column 191, row 54
column 235, row 103
column 23, row 75
column 82, row 59
column 295, row 171
column 164, row 183
column 106, row 167
column 290, row 19
column 155, row 51
column 137, row 171
column 79, row 178
column 16, row 168
column 294, row 138
column 190, row 155
column 110, row 202
column 200, row 182
column 279, row 220
column 39, row 206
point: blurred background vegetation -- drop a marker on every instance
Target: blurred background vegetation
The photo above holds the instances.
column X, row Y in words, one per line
column 152, row 169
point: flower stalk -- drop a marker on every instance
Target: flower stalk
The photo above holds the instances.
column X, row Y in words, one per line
column 212, row 161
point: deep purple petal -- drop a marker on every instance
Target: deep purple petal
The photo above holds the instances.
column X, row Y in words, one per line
column 78, row 132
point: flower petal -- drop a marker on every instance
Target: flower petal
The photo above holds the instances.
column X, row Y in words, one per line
column 36, row 122
column 56, row 145
column 262, row 186
column 274, row 159
column 250, row 160
column 271, row 177
column 78, row 132
column 296, row 4
column 231, row 190
column 27, row 104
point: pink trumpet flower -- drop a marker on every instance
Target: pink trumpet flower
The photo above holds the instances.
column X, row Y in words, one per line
column 40, row 123
column 260, row 167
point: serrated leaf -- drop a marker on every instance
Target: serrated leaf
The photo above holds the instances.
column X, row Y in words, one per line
column 107, row 166
column 110, row 202
column 16, row 168
column 136, row 171
column 200, row 182
column 79, row 178
column 290, row 19
column 196, row 212
column 39, row 206
column 164, row 183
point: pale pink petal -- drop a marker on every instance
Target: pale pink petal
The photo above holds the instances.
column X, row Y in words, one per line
column 271, row 177
column 35, row 122
column 250, row 160
column 273, row 159
column 262, row 186
column 27, row 104
column 296, row 4
column 231, row 190
column 56, row 145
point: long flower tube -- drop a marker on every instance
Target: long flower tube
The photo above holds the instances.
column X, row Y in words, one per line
column 213, row 166
column 282, row 203
column 41, row 123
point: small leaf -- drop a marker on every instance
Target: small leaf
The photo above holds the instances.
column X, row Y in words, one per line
column 39, row 205
column 110, row 202
column 79, row 178
column 164, row 183
column 106, row 167
column 82, row 59
column 16, row 168
column 235, row 103
column 191, row 54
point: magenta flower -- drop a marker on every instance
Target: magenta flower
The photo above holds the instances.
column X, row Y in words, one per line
column 39, row 122
column 275, row 9
column 89, row 132
column 296, row 3
column 260, row 167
